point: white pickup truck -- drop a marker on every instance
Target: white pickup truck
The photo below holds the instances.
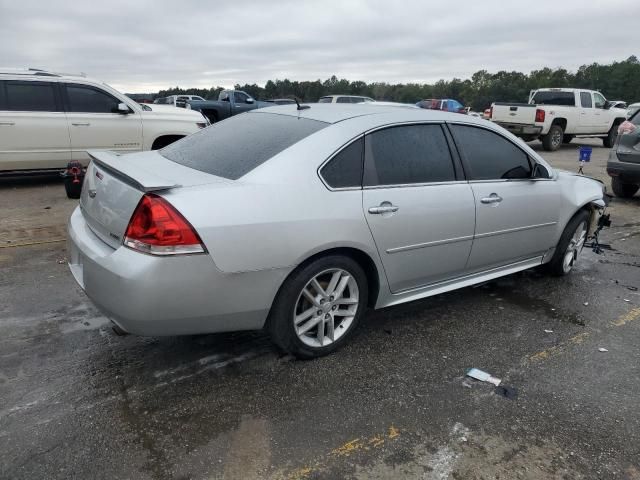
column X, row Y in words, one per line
column 557, row 115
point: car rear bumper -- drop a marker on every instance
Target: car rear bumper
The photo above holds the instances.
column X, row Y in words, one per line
column 180, row 295
column 628, row 172
column 520, row 129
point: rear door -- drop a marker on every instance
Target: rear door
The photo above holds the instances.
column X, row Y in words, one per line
column 587, row 118
column 33, row 126
column 94, row 122
column 516, row 216
column 419, row 210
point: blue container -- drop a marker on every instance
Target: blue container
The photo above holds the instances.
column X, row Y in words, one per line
column 585, row 154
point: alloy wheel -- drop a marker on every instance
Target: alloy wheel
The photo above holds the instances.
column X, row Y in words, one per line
column 326, row 307
column 574, row 247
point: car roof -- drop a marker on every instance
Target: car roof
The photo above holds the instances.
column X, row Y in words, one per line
column 334, row 113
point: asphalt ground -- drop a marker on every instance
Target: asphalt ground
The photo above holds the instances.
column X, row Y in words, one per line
column 77, row 401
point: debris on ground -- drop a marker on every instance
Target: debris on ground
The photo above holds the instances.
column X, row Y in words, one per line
column 626, row 300
column 482, row 376
column 546, row 330
column 506, row 392
column 602, row 349
column 586, row 304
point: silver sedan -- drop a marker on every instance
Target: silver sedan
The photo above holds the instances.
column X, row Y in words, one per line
column 297, row 219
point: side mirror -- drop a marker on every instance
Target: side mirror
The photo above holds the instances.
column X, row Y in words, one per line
column 123, row 108
column 607, row 105
column 249, row 100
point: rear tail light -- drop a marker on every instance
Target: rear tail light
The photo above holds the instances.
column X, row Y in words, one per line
column 626, row 127
column 540, row 114
column 157, row 228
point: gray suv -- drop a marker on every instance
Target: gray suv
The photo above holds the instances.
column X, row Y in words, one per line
column 624, row 160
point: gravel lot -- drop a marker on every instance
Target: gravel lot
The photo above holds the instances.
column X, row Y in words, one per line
column 76, row 401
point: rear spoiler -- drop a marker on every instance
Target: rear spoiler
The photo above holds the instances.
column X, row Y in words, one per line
column 129, row 172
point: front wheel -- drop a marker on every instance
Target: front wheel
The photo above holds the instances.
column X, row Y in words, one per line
column 319, row 307
column 552, row 140
column 570, row 245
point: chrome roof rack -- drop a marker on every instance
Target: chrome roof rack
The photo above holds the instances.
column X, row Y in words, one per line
column 39, row 72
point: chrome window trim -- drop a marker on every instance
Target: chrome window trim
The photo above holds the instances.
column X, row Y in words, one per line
column 411, row 185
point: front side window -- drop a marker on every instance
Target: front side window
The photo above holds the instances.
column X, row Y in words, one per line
column 85, row 99
column 233, row 148
column 240, row 97
column 344, row 170
column 585, row 100
column 30, row 96
column 598, row 100
column 490, row 156
column 407, row 154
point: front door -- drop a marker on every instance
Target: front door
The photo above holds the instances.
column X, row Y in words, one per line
column 422, row 218
column 240, row 103
column 33, row 126
column 516, row 216
column 94, row 123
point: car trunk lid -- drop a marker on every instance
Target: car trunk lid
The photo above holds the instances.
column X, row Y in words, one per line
column 114, row 185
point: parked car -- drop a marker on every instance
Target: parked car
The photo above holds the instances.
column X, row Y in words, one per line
column 298, row 220
column 282, row 101
column 624, row 159
column 177, row 100
column 345, row 99
column 49, row 119
column 633, row 108
column 617, row 104
column 229, row 103
column 557, row 115
column 446, row 104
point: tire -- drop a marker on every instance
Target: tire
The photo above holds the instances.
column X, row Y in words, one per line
column 567, row 138
column 570, row 245
column 291, row 301
column 610, row 140
column 553, row 139
column 623, row 190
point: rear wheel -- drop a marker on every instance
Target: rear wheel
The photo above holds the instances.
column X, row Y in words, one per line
column 623, row 190
column 319, row 307
column 610, row 140
column 570, row 245
column 552, row 140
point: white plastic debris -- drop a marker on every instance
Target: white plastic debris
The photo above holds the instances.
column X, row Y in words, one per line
column 602, row 349
column 626, row 300
column 548, row 331
column 586, row 304
column 483, row 376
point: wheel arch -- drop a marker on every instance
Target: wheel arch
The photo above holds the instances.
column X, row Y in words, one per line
column 562, row 122
column 162, row 141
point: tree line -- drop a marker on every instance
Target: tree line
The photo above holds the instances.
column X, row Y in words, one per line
column 617, row 81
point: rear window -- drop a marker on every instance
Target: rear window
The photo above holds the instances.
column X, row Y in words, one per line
column 555, row 98
column 635, row 116
column 233, row 147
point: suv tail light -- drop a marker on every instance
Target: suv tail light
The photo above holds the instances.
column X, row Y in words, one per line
column 157, row 228
column 626, row 127
column 540, row 114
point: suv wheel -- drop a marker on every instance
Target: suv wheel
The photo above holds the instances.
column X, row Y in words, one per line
column 319, row 307
column 610, row 140
column 552, row 140
column 623, row 190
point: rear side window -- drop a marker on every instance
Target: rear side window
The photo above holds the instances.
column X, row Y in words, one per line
column 84, row 99
column 345, row 169
column 555, row 98
column 490, row 156
column 235, row 146
column 407, row 154
column 31, row 96
column 325, row 100
column 585, row 100
column 343, row 100
column 3, row 102
column 635, row 116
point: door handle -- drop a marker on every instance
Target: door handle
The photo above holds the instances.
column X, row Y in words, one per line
column 8, row 124
column 385, row 207
column 493, row 198
column 81, row 124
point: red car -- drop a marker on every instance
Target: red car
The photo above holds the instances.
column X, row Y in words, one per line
column 446, row 104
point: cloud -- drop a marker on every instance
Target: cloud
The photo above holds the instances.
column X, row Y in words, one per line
column 148, row 45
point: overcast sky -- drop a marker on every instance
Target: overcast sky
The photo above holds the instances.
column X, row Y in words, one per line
column 147, row 45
